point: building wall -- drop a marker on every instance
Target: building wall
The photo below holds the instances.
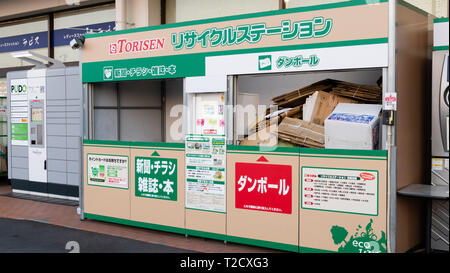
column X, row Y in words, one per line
column 10, row 9
column 188, row 10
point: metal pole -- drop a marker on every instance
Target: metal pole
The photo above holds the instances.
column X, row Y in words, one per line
column 82, row 134
column 391, row 145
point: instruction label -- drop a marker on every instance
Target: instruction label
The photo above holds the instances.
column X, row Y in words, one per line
column 107, row 170
column 156, row 178
column 264, row 187
column 19, row 112
column 206, row 172
column 340, row 190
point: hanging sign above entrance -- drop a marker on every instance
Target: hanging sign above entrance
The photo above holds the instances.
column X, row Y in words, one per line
column 182, row 49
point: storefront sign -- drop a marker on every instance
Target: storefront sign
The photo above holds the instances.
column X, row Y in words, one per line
column 24, row 42
column 340, row 190
column 188, row 45
column 61, row 37
column 264, row 187
column 156, row 178
column 107, row 170
column 205, row 172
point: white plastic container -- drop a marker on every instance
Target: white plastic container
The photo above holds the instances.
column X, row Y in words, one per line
column 353, row 126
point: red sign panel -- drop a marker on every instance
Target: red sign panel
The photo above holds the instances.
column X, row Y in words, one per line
column 264, row 187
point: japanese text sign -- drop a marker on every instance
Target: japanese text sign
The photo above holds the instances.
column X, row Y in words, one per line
column 108, row 170
column 156, row 178
column 264, row 187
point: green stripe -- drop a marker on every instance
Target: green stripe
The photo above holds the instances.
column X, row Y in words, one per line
column 135, row 148
column 265, row 149
column 254, row 153
column 437, row 48
column 134, row 223
column 262, row 243
column 440, row 20
column 303, row 249
column 235, row 17
column 205, row 234
column 374, row 153
column 134, row 144
column 93, row 71
column 207, row 210
column 345, row 157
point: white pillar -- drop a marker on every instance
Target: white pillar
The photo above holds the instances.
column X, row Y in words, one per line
column 121, row 14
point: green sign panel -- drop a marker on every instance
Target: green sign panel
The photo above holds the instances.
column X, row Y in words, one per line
column 19, row 131
column 156, row 178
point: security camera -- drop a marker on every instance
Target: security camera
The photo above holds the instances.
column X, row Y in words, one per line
column 76, row 43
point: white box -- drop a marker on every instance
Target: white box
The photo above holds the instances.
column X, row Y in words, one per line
column 353, row 126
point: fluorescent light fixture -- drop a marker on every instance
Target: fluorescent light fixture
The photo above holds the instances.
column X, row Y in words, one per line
column 26, row 56
column 21, row 54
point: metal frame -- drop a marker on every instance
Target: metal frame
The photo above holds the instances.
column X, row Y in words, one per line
column 118, row 108
column 390, row 132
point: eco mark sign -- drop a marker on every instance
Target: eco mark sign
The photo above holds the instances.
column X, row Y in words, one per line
column 264, row 187
column 156, row 178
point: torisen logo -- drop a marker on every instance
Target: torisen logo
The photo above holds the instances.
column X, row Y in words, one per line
column 128, row 46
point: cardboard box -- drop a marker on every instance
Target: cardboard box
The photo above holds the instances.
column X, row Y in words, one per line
column 353, row 126
column 300, row 132
column 320, row 105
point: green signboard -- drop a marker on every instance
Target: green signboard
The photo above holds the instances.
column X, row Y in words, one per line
column 156, row 178
column 19, row 131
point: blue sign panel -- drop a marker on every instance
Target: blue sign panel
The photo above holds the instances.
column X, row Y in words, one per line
column 61, row 37
column 24, row 42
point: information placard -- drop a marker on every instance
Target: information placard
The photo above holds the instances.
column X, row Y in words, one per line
column 206, row 172
column 107, row 170
column 19, row 112
column 264, row 187
column 156, row 178
column 340, row 190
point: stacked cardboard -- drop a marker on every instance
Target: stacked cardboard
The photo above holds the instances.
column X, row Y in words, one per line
column 302, row 133
column 358, row 92
column 298, row 97
column 303, row 112
column 275, row 118
column 320, row 105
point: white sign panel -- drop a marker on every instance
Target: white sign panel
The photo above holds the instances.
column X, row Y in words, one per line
column 390, row 101
column 19, row 112
column 107, row 170
column 340, row 190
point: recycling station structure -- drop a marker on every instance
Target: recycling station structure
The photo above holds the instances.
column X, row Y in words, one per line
column 160, row 140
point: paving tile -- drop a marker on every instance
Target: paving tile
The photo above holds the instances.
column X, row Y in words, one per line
column 67, row 216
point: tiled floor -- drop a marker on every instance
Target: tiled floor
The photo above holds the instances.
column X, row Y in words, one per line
column 67, row 216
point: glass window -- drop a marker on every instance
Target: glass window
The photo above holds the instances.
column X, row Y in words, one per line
column 23, row 35
column 69, row 25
